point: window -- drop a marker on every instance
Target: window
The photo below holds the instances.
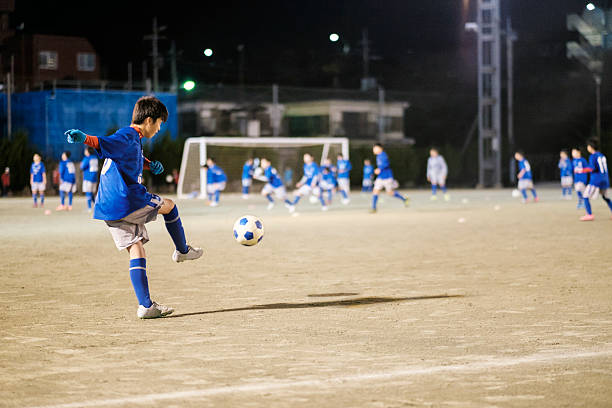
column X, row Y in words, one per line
column 86, row 61
column 47, row 60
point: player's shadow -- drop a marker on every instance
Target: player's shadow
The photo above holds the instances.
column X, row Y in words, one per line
column 347, row 302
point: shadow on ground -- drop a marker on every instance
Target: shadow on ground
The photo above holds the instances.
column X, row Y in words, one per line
column 348, row 302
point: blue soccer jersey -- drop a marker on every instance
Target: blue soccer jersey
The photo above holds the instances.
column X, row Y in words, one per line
column 344, row 167
column 565, row 167
column 37, row 170
column 599, row 170
column 382, row 162
column 578, row 165
column 368, row 170
column 524, row 165
column 311, row 173
column 247, row 171
column 272, row 176
column 89, row 165
column 67, row 171
column 217, row 174
column 329, row 178
column 120, row 192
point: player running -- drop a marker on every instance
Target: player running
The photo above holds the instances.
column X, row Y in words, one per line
column 328, row 182
column 384, row 179
column 89, row 165
column 565, row 170
column 215, row 181
column 580, row 178
column 67, row 172
column 368, row 172
column 126, row 205
column 436, row 173
column 247, row 178
column 38, row 180
column 344, row 181
column 308, row 183
column 274, row 184
column 599, row 182
column 525, row 180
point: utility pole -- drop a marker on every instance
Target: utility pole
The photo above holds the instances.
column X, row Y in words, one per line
column 155, row 37
column 510, row 38
column 8, row 104
column 275, row 111
column 381, row 113
column 173, row 74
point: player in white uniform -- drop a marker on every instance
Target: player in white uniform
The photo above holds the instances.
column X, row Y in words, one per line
column 436, row 173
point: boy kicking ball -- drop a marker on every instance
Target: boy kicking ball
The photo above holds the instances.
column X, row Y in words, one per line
column 599, row 182
column 126, row 205
column 384, row 179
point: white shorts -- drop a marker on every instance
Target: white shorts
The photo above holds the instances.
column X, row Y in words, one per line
column 326, row 186
column 211, row 188
column 89, row 186
column 67, row 187
column 567, row 181
column 592, row 192
column 304, row 190
column 438, row 179
column 579, row 186
column 366, row 182
column 38, row 186
column 388, row 184
column 247, row 182
column 344, row 184
column 524, row 184
column 131, row 228
column 279, row 192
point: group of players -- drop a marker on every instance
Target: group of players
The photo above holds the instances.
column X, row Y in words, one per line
column 589, row 179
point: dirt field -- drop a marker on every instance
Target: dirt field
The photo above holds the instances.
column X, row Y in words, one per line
column 480, row 302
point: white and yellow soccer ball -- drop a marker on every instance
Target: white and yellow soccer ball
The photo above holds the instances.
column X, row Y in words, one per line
column 248, row 230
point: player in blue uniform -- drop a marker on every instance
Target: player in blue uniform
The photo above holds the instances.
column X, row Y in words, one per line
column 344, row 168
column 126, row 205
column 368, row 172
column 274, row 184
column 580, row 179
column 247, row 177
column 566, row 172
column 215, row 181
column 89, row 166
column 38, row 180
column 525, row 179
column 384, row 179
column 309, row 183
column 67, row 172
column 599, row 182
column 328, row 182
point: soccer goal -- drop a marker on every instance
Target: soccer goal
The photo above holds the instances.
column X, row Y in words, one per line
column 230, row 153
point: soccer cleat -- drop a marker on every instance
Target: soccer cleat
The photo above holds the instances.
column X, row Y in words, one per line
column 214, row 204
column 345, row 201
column 153, row 312
column 270, row 206
column 587, row 217
column 60, row 208
column 245, row 196
column 34, row 205
column 446, row 197
column 69, row 208
column 406, row 201
column 324, row 208
column 372, row 210
column 433, row 198
column 192, row 253
column 536, row 200
column 291, row 208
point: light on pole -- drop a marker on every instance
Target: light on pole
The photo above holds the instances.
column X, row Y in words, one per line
column 333, row 37
column 188, row 85
column 590, row 7
column 208, row 52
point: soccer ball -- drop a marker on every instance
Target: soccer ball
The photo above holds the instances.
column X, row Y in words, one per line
column 248, row 230
column 516, row 193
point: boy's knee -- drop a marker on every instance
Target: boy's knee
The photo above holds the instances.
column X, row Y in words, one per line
column 169, row 203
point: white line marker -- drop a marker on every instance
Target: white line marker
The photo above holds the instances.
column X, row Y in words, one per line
column 339, row 381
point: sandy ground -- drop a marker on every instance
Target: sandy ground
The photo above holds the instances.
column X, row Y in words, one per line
column 479, row 302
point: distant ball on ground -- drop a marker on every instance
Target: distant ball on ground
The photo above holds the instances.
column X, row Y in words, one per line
column 169, row 178
column 516, row 193
column 248, row 230
column 47, row 212
column 313, row 199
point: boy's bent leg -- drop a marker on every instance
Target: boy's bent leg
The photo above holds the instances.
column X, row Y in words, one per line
column 174, row 226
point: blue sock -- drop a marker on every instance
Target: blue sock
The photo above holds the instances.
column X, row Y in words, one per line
column 269, row 197
column 444, row 189
column 533, row 192
column 579, row 194
column 524, row 192
column 217, row 194
column 608, row 201
column 344, row 195
column 70, row 198
column 374, row 200
column 398, row 195
column 175, row 229
column 35, row 198
column 89, row 196
column 434, row 189
column 296, row 199
column 138, row 275
column 245, row 190
column 210, row 197
column 587, row 206
column 42, row 198
column 322, row 200
column 288, row 202
column 62, row 197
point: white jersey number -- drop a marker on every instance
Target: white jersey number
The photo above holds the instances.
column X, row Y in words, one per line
column 603, row 164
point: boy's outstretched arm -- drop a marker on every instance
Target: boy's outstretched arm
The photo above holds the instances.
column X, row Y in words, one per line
column 77, row 136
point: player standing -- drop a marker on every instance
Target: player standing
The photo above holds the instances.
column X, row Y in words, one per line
column 308, row 183
column 580, row 179
column 344, row 181
column 126, row 205
column 384, row 179
column 599, row 182
column 274, row 184
column 437, row 170
column 565, row 170
column 247, row 178
column 216, row 180
column 525, row 179
column 328, row 182
column 67, row 172
column 368, row 172
column 89, row 165
column 38, row 180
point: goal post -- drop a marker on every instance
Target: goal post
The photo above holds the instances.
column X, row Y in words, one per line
column 231, row 152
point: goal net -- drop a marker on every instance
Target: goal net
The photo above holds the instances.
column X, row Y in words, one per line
column 230, row 153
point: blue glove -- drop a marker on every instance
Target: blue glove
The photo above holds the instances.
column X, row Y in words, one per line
column 74, row 136
column 156, row 167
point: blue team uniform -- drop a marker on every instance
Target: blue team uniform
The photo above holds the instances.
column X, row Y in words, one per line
column 565, row 167
column 565, row 170
column 247, row 171
column 368, row 171
column 524, row 165
column 37, row 170
column 382, row 162
column 121, row 192
column 272, row 176
column 599, row 171
column 89, row 165
column 67, row 171
column 217, row 174
column 311, row 173
column 579, row 165
column 344, row 169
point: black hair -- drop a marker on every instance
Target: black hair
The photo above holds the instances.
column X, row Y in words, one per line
column 564, row 151
column 379, row 145
column 67, row 153
column 593, row 143
column 149, row 107
column 91, row 150
column 205, row 166
column 520, row 152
